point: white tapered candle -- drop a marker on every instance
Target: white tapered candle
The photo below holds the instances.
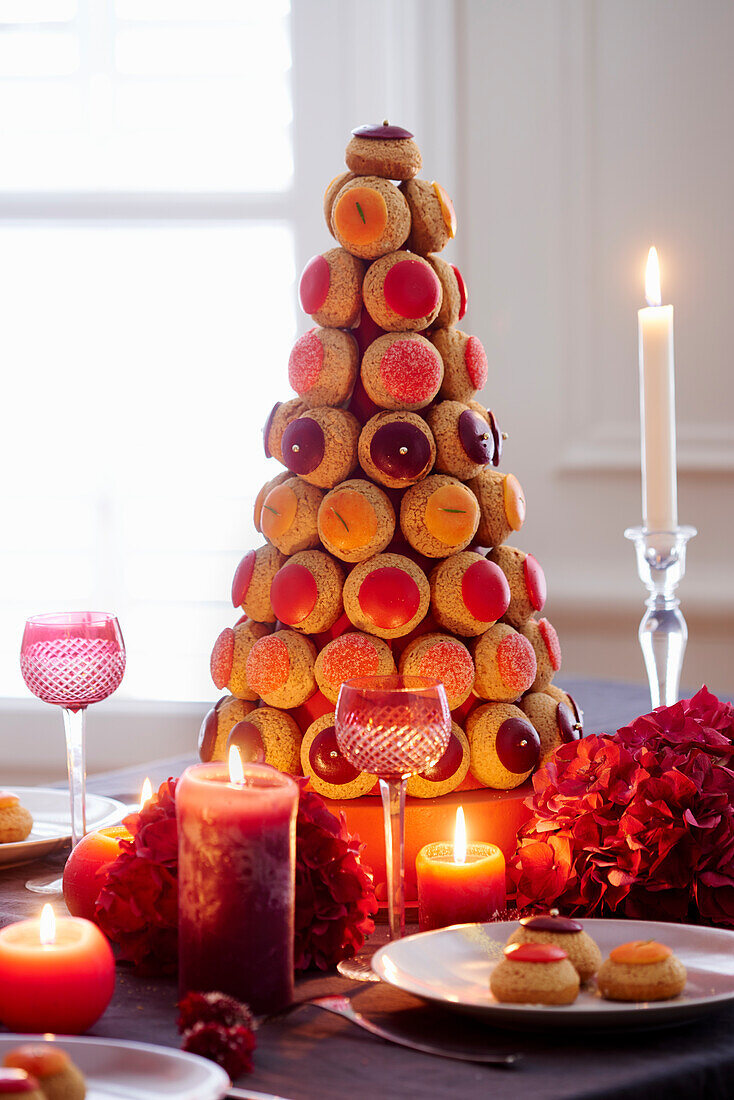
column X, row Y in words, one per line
column 657, row 406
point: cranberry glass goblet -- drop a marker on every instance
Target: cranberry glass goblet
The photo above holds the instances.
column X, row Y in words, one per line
column 72, row 659
column 394, row 727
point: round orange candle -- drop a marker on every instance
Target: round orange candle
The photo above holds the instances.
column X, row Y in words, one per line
column 56, row 974
column 459, row 883
column 86, row 867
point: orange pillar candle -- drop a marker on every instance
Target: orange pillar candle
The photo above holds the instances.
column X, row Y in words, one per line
column 56, row 974
column 459, row 883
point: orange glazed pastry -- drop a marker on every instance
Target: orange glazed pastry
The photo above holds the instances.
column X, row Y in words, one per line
column 439, row 516
column 642, row 970
column 501, row 503
column 229, row 657
column 260, row 498
column 15, row 821
column 57, row 1075
column 288, row 516
column 356, row 520
column 349, row 655
column 280, row 669
column 432, row 216
column 332, row 190
column 370, row 217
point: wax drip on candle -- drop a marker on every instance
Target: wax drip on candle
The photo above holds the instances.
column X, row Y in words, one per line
column 653, row 293
column 47, row 925
column 236, row 771
column 460, row 837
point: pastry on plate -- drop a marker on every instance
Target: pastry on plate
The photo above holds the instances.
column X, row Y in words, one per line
column 535, row 973
column 642, row 970
column 58, row 1077
column 15, row 821
column 582, row 951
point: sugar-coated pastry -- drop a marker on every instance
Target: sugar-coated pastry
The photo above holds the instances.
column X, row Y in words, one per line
column 432, row 216
column 370, row 217
column 439, row 516
column 396, row 448
column 464, row 364
column 468, row 593
column 332, row 190
column 402, row 292
column 356, row 520
column 562, row 696
column 321, row 446
column 401, row 370
column 583, row 953
column 323, row 366
column 502, row 505
column 58, row 1078
column 447, row 773
column 288, row 515
column 306, row 592
column 441, row 657
column 259, row 499
column 383, row 150
column 504, row 745
column 329, row 772
column 387, row 595
column 641, row 970
column 252, row 580
column 279, row 669
column 217, row 724
column 526, row 580
column 535, row 973
column 18, row 1083
column 505, row 664
column 544, row 640
column 229, row 657
column 464, row 441
column 16, row 821
column 454, row 299
column 351, row 654
column 278, row 420
column 268, row 736
column 330, row 289
column 554, row 722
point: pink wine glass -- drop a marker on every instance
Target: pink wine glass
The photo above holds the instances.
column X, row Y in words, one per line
column 72, row 659
column 394, row 727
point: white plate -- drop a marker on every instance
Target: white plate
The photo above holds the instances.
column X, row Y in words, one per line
column 117, row 1070
column 52, row 821
column 451, row 966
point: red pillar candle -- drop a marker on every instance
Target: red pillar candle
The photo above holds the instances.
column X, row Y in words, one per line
column 56, row 974
column 459, row 883
column 236, row 883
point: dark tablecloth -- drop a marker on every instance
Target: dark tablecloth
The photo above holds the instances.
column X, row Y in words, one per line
column 314, row 1055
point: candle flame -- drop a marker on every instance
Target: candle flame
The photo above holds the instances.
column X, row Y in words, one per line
column 460, row 837
column 47, row 930
column 146, row 793
column 652, row 279
column 236, row 771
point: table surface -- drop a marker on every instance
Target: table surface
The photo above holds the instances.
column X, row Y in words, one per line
column 313, row 1054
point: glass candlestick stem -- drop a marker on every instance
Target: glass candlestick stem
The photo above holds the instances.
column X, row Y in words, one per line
column 661, row 564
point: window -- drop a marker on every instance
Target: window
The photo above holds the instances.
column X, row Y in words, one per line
column 147, row 283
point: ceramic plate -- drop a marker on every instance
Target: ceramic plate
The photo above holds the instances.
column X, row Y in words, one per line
column 52, row 822
column 136, row 1071
column 451, row 966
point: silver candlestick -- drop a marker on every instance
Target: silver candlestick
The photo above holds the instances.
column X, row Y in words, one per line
column 661, row 564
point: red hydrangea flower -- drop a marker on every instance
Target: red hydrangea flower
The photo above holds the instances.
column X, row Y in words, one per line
column 217, row 1008
column 639, row 823
column 229, row 1047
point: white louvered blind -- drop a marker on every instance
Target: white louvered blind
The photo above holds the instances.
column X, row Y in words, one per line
column 146, row 292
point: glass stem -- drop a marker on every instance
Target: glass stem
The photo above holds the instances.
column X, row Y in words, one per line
column 393, row 805
column 74, row 723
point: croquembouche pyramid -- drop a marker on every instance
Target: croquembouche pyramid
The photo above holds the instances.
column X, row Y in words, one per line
column 386, row 533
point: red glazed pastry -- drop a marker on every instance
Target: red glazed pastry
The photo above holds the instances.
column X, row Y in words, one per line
column 331, row 288
column 448, row 773
column 280, row 416
column 464, row 441
column 396, row 449
column 229, row 657
column 554, row 722
column 505, row 747
column 505, row 663
column 444, row 658
column 56, row 1075
column 542, row 636
column 526, row 580
column 329, row 772
column 217, row 724
column 252, row 580
column 321, row 446
column 306, row 592
column 268, row 736
column 323, row 366
column 402, row 292
column 453, row 302
column 387, row 595
column 280, row 669
column 468, row 594
column 351, row 654
column 464, row 361
column 401, row 371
